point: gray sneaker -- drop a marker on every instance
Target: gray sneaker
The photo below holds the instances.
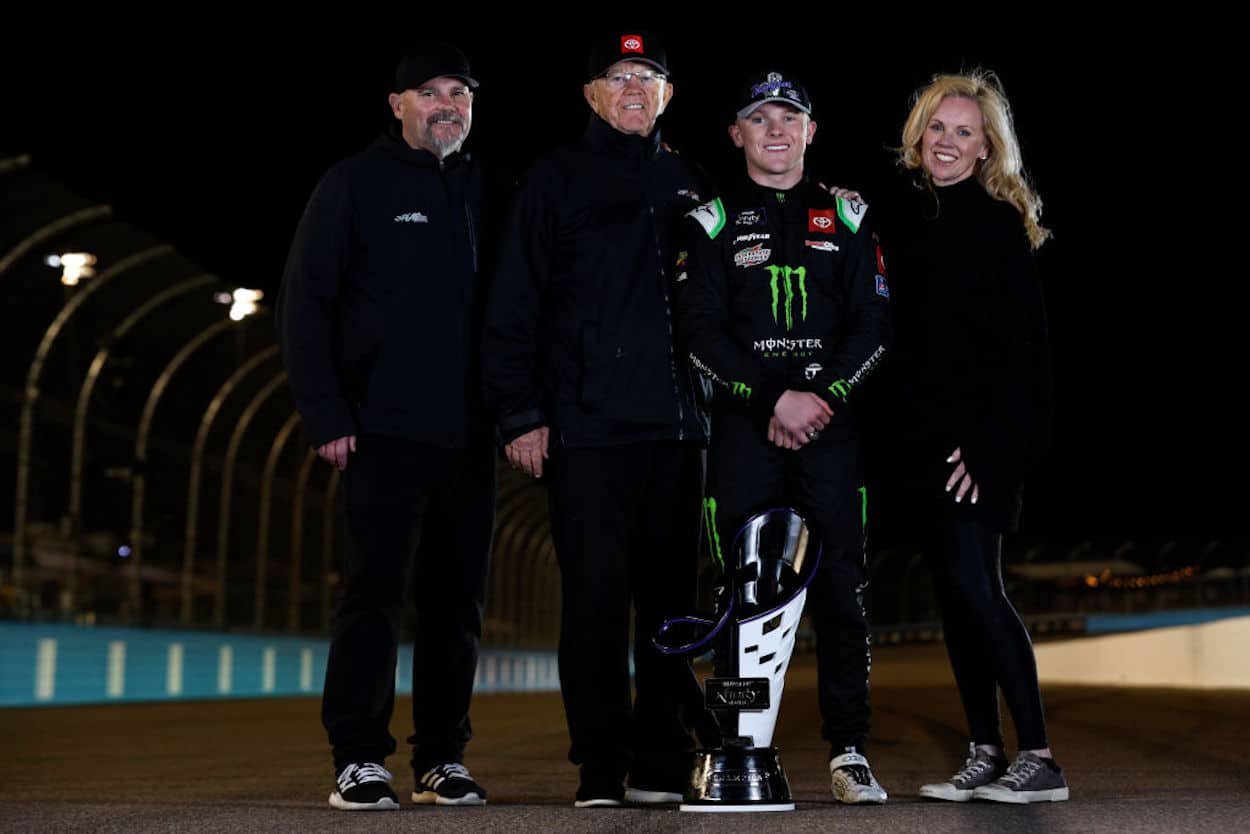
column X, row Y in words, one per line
column 979, row 769
column 1029, row 779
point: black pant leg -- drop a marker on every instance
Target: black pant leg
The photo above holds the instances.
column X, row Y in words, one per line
column 453, row 561
column 592, row 492
column 663, row 576
column 990, row 640
column 826, row 481
column 386, row 492
column 745, row 475
column 966, row 645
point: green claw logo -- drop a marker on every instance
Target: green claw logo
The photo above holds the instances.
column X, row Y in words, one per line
column 840, row 389
column 713, row 536
column 741, row 389
column 781, row 276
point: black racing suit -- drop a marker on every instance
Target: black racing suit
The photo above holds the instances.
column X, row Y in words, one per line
column 786, row 290
column 579, row 338
column 379, row 320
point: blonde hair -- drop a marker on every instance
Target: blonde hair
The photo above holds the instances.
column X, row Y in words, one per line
column 1002, row 173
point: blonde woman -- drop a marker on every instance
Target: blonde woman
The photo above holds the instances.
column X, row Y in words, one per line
column 974, row 404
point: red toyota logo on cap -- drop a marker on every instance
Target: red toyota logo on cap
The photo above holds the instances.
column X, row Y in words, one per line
column 820, row 221
column 631, row 43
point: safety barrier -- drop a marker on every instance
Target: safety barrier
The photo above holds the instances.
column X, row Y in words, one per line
column 66, row 664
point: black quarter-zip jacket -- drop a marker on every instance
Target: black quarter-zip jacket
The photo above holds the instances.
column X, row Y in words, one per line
column 579, row 327
column 378, row 317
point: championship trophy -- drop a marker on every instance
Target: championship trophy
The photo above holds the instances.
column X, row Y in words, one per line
column 751, row 634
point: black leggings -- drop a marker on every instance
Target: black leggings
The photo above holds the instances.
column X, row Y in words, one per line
column 988, row 644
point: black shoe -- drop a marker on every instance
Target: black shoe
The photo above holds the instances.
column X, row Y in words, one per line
column 599, row 796
column 364, row 787
column 600, row 787
column 448, row 784
column 652, row 796
column 658, row 780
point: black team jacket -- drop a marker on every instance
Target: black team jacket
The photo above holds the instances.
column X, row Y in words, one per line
column 579, row 327
column 379, row 312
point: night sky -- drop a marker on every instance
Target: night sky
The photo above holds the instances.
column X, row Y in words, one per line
column 211, row 134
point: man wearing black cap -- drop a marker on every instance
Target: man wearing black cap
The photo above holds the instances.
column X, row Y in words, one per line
column 783, row 307
column 587, row 392
column 378, row 321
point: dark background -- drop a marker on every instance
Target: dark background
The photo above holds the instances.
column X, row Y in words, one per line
column 212, row 132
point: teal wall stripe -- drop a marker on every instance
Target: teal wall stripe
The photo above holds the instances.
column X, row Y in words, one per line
column 54, row 664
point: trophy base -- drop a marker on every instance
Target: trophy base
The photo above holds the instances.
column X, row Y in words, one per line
column 737, row 780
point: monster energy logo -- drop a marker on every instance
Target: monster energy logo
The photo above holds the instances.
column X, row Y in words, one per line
column 713, row 536
column 787, row 344
column 741, row 389
column 781, row 278
column 840, row 389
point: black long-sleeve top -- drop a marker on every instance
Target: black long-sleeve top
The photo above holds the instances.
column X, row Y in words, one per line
column 971, row 360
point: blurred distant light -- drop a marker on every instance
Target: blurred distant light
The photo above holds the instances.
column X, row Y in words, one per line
column 73, row 265
column 1175, row 577
column 124, row 551
column 243, row 302
column 223, row 297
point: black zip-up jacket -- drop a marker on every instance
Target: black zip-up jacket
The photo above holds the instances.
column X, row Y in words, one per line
column 378, row 317
column 783, row 290
column 578, row 332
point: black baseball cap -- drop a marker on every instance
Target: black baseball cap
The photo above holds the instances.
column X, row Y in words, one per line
column 772, row 85
column 634, row 45
column 431, row 59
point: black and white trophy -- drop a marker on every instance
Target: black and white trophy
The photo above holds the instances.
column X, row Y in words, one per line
column 751, row 634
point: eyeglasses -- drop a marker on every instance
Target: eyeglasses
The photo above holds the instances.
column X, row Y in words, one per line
column 646, row 78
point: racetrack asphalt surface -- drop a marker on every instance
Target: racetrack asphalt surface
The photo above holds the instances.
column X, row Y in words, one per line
column 1137, row 760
